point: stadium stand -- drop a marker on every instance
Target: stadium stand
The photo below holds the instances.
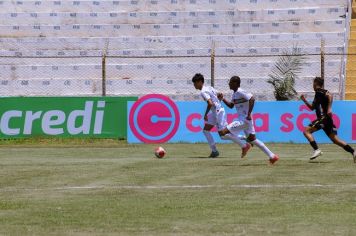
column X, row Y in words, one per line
column 55, row 47
column 350, row 85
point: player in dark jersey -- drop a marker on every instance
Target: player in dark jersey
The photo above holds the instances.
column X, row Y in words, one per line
column 322, row 105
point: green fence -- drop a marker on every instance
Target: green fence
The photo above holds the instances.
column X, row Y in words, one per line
column 85, row 117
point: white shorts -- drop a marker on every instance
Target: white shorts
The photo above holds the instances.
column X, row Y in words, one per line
column 217, row 118
column 241, row 125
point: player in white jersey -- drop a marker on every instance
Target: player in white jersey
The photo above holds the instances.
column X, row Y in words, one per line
column 244, row 103
column 214, row 115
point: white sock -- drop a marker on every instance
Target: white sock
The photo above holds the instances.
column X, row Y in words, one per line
column 210, row 139
column 233, row 138
column 263, row 147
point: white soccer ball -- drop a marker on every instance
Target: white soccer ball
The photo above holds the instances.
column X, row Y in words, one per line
column 160, row 152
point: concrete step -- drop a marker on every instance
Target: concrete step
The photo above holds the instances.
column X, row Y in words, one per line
column 351, row 65
column 350, row 96
column 350, row 80
column 350, row 88
column 351, row 73
column 352, row 49
column 351, row 58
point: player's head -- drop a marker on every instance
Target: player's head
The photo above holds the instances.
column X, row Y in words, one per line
column 198, row 81
column 318, row 83
column 234, row 83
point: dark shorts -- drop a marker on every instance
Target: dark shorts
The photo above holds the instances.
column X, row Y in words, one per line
column 326, row 123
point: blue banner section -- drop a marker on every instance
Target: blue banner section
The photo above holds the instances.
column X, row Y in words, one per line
column 281, row 122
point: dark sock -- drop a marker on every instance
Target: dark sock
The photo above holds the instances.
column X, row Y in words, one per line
column 349, row 149
column 314, row 145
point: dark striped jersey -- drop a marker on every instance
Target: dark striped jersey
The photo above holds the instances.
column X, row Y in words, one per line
column 321, row 102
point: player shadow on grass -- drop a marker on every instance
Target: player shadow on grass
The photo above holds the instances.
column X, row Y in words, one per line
column 205, row 157
column 253, row 164
column 319, row 162
column 237, row 163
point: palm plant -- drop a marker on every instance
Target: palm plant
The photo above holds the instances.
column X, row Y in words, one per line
column 284, row 74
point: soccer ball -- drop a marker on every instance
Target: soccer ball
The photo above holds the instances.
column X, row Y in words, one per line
column 160, row 152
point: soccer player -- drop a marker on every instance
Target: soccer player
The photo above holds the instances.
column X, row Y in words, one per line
column 322, row 105
column 244, row 103
column 214, row 115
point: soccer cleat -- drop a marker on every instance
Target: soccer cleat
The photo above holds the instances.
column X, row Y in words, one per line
column 274, row 159
column 354, row 155
column 214, row 154
column 316, row 153
column 245, row 150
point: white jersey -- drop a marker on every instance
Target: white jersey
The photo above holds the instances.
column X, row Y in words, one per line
column 209, row 92
column 241, row 98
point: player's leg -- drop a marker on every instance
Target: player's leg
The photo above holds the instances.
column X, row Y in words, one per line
column 251, row 137
column 231, row 132
column 308, row 133
column 244, row 138
column 223, row 131
column 206, row 131
column 227, row 135
column 333, row 137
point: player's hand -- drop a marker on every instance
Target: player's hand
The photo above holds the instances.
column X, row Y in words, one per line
column 302, row 97
column 330, row 114
column 248, row 117
column 220, row 96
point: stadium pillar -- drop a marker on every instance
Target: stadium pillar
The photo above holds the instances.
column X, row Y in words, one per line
column 103, row 66
column 212, row 65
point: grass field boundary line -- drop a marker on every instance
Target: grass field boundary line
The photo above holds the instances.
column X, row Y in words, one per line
column 161, row 187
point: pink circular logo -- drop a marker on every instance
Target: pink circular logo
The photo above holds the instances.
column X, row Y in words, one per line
column 154, row 118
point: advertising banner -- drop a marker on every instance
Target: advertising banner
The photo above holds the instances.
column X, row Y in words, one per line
column 99, row 117
column 157, row 119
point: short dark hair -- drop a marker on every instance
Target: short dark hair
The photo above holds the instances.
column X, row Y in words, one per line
column 236, row 79
column 198, row 77
column 319, row 81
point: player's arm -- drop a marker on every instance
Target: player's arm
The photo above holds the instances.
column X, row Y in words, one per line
column 310, row 106
column 207, row 98
column 208, row 107
column 330, row 99
column 227, row 103
column 251, row 104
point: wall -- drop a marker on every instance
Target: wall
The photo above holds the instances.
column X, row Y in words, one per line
column 156, row 119
column 84, row 117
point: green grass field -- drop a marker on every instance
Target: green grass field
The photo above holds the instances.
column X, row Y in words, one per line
column 112, row 188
